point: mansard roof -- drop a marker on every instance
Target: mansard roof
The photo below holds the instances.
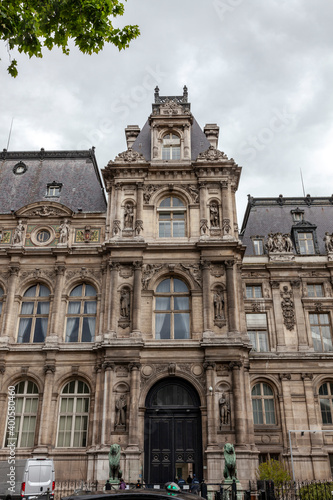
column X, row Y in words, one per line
column 272, row 215
column 25, row 175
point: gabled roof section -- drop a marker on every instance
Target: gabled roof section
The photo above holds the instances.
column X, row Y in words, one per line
column 273, row 215
column 26, row 175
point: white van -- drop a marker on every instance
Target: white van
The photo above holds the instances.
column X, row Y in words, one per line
column 27, row 479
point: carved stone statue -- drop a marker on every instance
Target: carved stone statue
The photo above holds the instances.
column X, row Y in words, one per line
column 279, row 243
column 214, row 215
column 114, row 461
column 230, row 471
column 18, row 233
column 64, row 232
column 125, row 303
column 328, row 239
column 121, row 406
column 128, row 216
column 224, row 407
column 218, row 304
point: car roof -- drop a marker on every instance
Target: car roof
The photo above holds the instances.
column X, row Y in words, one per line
column 140, row 493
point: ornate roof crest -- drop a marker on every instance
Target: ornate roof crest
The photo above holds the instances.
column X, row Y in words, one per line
column 130, row 156
column 212, row 154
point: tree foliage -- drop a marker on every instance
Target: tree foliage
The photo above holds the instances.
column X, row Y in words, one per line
column 316, row 491
column 30, row 25
column 274, row 470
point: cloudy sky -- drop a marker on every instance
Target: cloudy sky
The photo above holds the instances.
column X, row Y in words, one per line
column 261, row 69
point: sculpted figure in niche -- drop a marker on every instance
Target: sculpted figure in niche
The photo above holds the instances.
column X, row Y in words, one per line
column 125, row 303
column 18, row 233
column 121, row 406
column 218, row 304
column 64, row 232
column 214, row 215
column 224, row 407
column 128, row 216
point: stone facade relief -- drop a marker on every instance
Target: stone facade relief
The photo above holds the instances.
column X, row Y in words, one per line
column 18, row 233
column 214, row 215
column 279, row 243
column 64, row 232
column 218, row 303
column 224, row 411
column 120, row 412
column 128, row 216
column 288, row 308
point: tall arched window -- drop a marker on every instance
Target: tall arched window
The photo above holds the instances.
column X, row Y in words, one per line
column 171, row 147
column 81, row 314
column 172, row 310
column 34, row 314
column 263, row 404
column 326, row 402
column 171, row 217
column 26, row 407
column 73, row 415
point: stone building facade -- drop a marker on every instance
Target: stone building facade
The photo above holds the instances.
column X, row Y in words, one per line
column 141, row 317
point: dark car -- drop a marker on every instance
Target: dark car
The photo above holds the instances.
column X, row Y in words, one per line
column 136, row 494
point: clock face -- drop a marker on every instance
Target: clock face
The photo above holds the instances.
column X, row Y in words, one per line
column 19, row 168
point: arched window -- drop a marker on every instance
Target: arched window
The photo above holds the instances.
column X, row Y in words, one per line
column 171, row 147
column 73, row 415
column 171, row 216
column 263, row 404
column 326, row 401
column 34, row 314
column 26, row 407
column 81, row 314
column 172, row 310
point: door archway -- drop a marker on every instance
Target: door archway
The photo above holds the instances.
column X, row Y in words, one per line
column 173, row 433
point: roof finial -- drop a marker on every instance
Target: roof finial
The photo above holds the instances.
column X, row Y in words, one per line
column 185, row 93
column 157, row 93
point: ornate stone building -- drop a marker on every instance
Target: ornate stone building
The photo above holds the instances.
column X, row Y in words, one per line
column 145, row 320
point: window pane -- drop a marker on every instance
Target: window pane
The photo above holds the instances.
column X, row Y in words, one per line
column 269, row 411
column 164, row 229
column 164, row 286
column 255, row 321
column 325, row 411
column 24, row 330
column 77, row 291
column 40, row 329
column 178, row 229
column 162, row 326
column 253, row 339
column 166, row 202
column 263, row 342
column 182, row 326
column 74, row 307
column 90, row 307
column 181, row 303
column 90, row 291
column 257, row 412
column 72, row 330
column 323, row 390
column 43, row 307
column 31, row 292
column 176, row 202
column 256, row 391
column 43, row 291
column 163, row 303
column 267, row 390
column 178, row 216
column 163, row 216
column 179, row 286
column 27, row 308
column 88, row 329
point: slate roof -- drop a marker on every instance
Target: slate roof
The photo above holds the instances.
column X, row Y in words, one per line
column 272, row 215
column 77, row 171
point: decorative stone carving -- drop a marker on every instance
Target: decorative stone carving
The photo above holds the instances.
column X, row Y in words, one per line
column 204, row 227
column 217, row 270
column 307, row 376
column 214, row 216
column 328, row 239
column 64, row 232
column 138, row 227
column 279, row 242
column 45, row 211
column 224, row 410
column 121, row 409
column 128, row 216
column 194, row 192
column 125, row 303
column 285, row 376
column 288, row 308
column 218, row 302
column 130, row 156
column 149, row 190
column 116, row 227
column 195, row 271
column 226, row 226
column 18, row 233
column 172, row 369
column 212, row 154
column 148, row 272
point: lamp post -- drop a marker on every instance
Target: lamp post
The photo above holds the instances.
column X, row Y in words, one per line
column 302, row 431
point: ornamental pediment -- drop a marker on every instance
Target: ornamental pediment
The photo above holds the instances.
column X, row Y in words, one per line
column 212, row 154
column 44, row 210
column 130, row 156
column 172, row 107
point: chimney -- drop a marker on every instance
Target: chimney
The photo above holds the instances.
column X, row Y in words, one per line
column 211, row 131
column 131, row 132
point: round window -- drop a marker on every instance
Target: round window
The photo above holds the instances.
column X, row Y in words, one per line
column 43, row 236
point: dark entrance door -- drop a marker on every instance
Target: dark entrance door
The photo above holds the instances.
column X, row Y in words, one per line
column 173, row 439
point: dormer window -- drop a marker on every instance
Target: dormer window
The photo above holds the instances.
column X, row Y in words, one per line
column 53, row 189
column 171, row 147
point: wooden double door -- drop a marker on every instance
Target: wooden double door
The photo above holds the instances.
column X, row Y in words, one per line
column 173, row 436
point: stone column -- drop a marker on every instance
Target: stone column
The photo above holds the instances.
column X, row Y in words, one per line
column 133, row 439
column 211, row 417
column 113, row 309
column 247, row 395
column 187, row 146
column 47, row 418
column 227, row 218
column 280, row 338
column 107, row 410
column 137, row 298
column 11, row 316
column 204, row 231
column 116, row 227
column 231, row 296
column 206, row 296
column 317, row 439
column 108, row 229
column 234, row 211
column 56, row 326
column 98, row 407
column 300, row 319
column 287, row 403
column 237, row 385
column 139, row 210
